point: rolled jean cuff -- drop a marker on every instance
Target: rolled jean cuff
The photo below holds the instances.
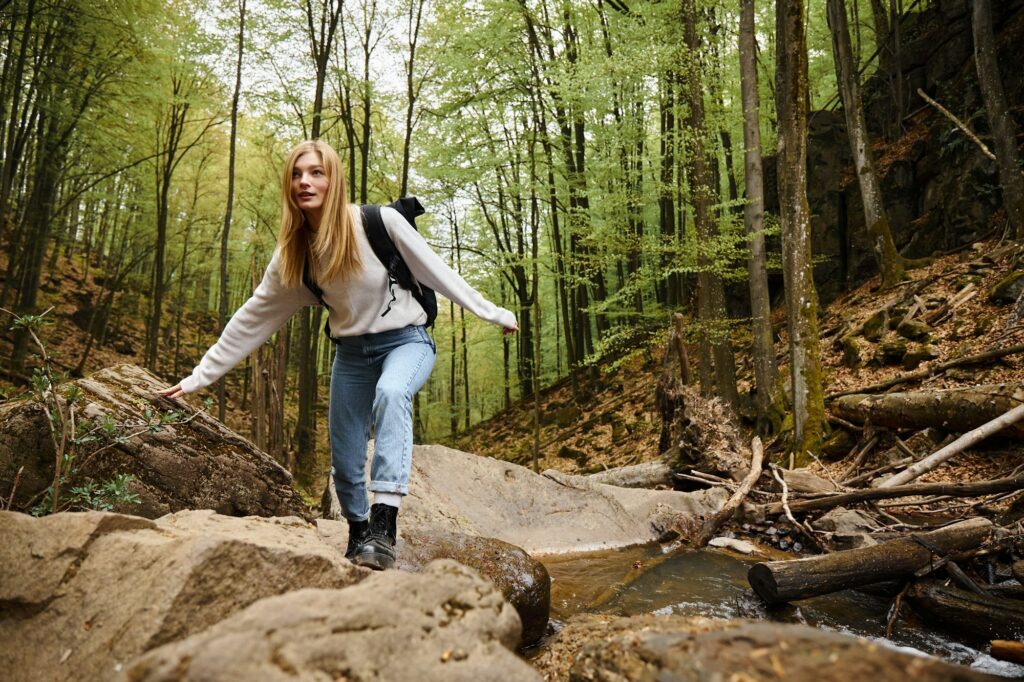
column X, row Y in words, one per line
column 388, row 487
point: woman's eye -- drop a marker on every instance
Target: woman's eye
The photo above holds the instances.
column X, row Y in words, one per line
column 318, row 172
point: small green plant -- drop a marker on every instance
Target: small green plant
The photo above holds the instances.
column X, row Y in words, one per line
column 76, row 442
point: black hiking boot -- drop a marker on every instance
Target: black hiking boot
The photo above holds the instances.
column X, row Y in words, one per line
column 378, row 550
column 357, row 532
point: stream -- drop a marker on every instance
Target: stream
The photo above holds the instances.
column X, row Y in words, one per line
column 713, row 583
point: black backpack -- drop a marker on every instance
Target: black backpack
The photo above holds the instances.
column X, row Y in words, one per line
column 387, row 253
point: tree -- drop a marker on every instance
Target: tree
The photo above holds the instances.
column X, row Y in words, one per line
column 890, row 262
column 753, row 213
column 801, row 296
column 999, row 119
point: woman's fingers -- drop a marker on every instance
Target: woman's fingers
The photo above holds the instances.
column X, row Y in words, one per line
column 172, row 392
column 508, row 331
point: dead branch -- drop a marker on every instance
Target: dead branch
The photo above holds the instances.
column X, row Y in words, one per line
column 958, row 123
column 974, row 489
column 959, row 445
column 712, row 525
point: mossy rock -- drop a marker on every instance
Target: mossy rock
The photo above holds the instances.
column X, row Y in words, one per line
column 567, row 415
column 838, row 445
column 892, row 352
column 896, row 315
column 1008, row 289
column 983, row 325
column 851, row 353
column 578, row 456
column 915, row 356
column 874, row 327
column 915, row 330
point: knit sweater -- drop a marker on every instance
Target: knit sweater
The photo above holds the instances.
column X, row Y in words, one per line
column 355, row 304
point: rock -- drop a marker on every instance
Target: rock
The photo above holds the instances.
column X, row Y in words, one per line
column 544, row 514
column 801, row 480
column 915, row 356
column 753, row 651
column 851, row 353
column 838, row 445
column 921, row 443
column 891, row 352
column 1008, row 289
column 85, row 592
column 578, row 456
column 1017, row 570
column 843, row 520
column 915, row 330
column 740, row 546
column 445, row 623
column 874, row 327
column 566, row 416
column 523, row 581
column 195, row 465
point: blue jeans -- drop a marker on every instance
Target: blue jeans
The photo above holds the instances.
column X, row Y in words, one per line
column 373, row 381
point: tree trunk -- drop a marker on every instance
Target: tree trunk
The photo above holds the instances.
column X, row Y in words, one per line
column 890, row 263
column 778, row 582
column 1000, row 121
column 222, row 312
column 714, row 329
column 753, row 218
column 801, row 296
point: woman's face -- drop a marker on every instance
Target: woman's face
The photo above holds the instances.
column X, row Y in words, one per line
column 309, row 186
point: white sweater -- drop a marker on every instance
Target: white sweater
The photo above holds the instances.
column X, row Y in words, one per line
column 355, row 305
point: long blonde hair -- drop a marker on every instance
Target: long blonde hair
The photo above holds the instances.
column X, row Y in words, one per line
column 333, row 244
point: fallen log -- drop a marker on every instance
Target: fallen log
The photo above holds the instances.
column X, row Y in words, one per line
column 954, row 410
column 644, row 475
column 999, row 485
column 974, row 615
column 1007, row 650
column 712, row 525
column 965, row 441
column 931, row 370
column 777, row 582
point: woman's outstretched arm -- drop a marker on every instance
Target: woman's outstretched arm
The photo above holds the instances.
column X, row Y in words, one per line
column 265, row 312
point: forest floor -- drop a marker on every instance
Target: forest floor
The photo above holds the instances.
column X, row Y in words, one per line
column 618, row 424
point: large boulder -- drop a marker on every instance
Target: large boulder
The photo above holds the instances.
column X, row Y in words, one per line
column 680, row 648
column 442, row 624
column 82, row 593
column 192, row 462
column 551, row 513
column 523, row 581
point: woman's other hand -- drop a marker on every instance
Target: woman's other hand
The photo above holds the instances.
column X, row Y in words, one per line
column 509, row 331
column 174, row 391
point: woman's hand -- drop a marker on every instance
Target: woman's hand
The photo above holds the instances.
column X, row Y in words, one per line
column 509, row 331
column 174, row 391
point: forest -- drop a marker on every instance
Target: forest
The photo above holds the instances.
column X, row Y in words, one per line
column 741, row 239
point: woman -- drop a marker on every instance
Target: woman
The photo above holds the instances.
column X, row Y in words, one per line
column 383, row 352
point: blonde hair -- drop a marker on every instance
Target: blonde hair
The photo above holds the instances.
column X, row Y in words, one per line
column 333, row 244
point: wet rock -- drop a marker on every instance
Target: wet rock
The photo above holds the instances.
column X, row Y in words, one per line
column 915, row 330
column 200, row 464
column 739, row 546
column 523, row 581
column 753, row 651
column 445, row 623
column 1008, row 289
column 85, row 592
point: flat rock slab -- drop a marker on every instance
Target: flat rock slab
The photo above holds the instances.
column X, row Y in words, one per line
column 465, row 493
column 83, row 593
column 197, row 463
column 677, row 648
column 445, row 623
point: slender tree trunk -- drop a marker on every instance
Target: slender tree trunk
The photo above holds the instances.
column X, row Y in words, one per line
column 753, row 215
column 890, row 263
column 222, row 312
column 714, row 330
column 1000, row 121
column 801, row 296
column 415, row 17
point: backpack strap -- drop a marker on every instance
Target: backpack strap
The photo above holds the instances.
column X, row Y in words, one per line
column 307, row 279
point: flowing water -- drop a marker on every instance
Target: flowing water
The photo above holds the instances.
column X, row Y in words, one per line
column 713, row 583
